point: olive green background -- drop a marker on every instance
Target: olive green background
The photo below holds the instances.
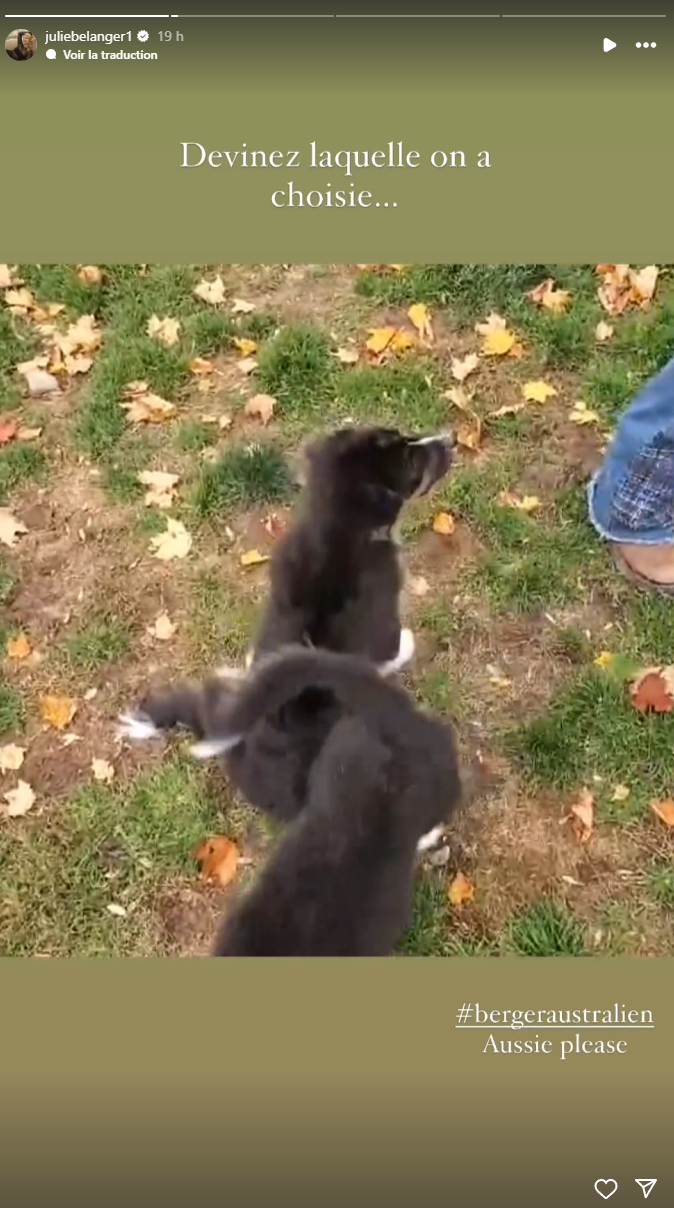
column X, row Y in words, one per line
column 578, row 141
column 317, row 1080
column 321, row 1079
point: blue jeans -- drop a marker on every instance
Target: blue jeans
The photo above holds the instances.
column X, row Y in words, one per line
column 631, row 497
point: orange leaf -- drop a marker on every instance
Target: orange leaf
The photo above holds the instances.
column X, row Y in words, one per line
column 653, row 689
column 253, row 557
column 57, row 711
column 219, row 859
column 419, row 315
column 582, row 816
column 444, row 524
column 8, row 429
column 19, row 647
column 664, row 811
column 547, row 295
column 461, row 890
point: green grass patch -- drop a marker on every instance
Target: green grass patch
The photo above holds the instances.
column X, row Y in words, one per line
column 431, row 933
column 297, row 369
column 121, row 845
column 546, row 928
column 399, row 396
column 221, row 624
column 591, row 729
column 192, row 436
column 60, row 283
column 245, row 476
column 661, row 885
column 641, row 346
column 19, row 463
column 102, row 641
column 12, row 710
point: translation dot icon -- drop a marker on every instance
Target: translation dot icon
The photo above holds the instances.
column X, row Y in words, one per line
column 51, row 54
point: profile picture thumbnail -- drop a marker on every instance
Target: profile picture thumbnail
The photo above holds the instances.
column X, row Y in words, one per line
column 21, row 44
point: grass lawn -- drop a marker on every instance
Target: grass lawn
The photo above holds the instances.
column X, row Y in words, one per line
column 511, row 609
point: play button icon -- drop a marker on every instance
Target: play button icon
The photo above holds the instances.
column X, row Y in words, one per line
column 608, row 44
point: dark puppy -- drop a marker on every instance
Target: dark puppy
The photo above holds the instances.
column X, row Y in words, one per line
column 340, row 881
column 335, row 584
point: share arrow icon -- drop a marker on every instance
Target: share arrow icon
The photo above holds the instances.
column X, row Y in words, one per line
column 646, row 1186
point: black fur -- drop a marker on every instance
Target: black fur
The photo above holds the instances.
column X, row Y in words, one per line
column 335, row 584
column 340, row 881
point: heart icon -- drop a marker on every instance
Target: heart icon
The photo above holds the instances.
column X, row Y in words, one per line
column 609, row 1184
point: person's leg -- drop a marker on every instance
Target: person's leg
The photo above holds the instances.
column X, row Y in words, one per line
column 631, row 497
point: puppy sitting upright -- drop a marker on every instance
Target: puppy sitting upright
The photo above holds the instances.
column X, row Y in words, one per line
column 340, row 881
column 335, row 584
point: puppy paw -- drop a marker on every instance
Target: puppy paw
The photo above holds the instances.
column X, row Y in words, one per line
column 137, row 726
column 430, row 840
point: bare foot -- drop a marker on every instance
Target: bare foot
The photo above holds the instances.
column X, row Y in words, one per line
column 653, row 562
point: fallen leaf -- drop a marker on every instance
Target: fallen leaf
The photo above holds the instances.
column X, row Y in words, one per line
column 7, row 278
column 458, row 396
column 219, row 859
column 245, row 347
column 200, row 366
column 462, row 368
column 212, row 292
column 11, row 757
column 148, row 409
column 582, row 816
column 581, row 414
column 273, row 525
column 498, row 342
column 620, row 793
column 8, row 429
column 253, row 557
column 643, row 284
column 82, row 336
column 90, row 274
column 461, row 890
column 603, row 332
column 174, row 542
column 161, row 485
column 10, row 528
column 20, row 300
column 27, row 434
column 653, row 689
column 240, row 307
column 418, row 585
column 165, row 330
column 604, row 659
column 492, row 323
column 538, row 392
column 444, row 524
column 224, row 422
column 467, row 434
column 549, row 296
column 261, row 405
column 102, row 770
column 419, row 315
column 19, row 800
column 664, row 811
column 115, row 909
column 40, row 382
column 40, row 362
column 19, row 647
column 379, row 339
column 347, row 356
column 57, row 711
column 523, row 503
column 163, row 628
column 247, row 365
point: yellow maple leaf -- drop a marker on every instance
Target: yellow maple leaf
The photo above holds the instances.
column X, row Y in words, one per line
column 379, row 339
column 581, row 414
column 498, row 342
column 18, row 647
column 253, row 557
column 605, row 659
column 246, row 347
column 538, row 392
column 461, row 890
column 444, row 524
column 523, row 503
column 420, row 316
column 57, row 711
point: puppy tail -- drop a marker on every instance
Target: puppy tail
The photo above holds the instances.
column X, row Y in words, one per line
column 283, row 677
